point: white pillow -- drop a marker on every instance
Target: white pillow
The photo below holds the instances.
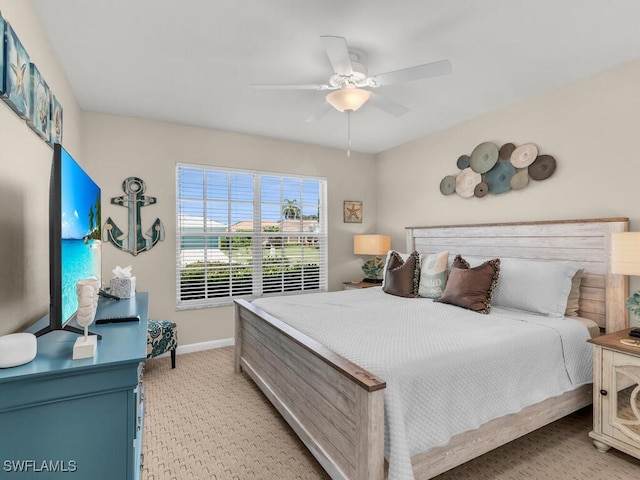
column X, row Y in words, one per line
column 536, row 286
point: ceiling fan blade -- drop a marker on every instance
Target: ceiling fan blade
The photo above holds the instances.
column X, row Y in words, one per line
column 319, row 113
column 387, row 105
column 338, row 54
column 295, row 86
column 413, row 73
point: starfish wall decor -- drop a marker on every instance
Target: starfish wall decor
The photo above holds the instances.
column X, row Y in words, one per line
column 23, row 88
column 18, row 81
column 352, row 211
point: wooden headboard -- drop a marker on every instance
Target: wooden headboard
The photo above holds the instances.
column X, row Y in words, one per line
column 602, row 295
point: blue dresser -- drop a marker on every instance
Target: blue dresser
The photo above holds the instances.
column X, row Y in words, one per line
column 62, row 418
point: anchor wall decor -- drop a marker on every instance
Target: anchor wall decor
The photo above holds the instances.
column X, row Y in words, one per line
column 135, row 242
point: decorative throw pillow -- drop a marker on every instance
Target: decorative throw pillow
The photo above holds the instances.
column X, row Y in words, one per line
column 471, row 288
column 403, row 256
column 387, row 259
column 433, row 274
column 402, row 276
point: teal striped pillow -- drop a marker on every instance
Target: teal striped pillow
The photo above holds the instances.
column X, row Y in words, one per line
column 433, row 274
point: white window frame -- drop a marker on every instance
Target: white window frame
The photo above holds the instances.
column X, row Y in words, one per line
column 320, row 236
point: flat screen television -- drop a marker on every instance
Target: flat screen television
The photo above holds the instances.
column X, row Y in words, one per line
column 74, row 237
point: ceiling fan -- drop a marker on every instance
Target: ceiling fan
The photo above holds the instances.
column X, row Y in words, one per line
column 350, row 78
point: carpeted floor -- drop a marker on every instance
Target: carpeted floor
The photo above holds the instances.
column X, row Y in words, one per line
column 205, row 422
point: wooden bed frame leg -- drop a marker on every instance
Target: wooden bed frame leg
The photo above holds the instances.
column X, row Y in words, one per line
column 370, row 461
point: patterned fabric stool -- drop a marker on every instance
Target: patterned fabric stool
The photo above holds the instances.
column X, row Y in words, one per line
column 162, row 336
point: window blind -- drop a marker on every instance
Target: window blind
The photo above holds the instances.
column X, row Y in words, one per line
column 247, row 234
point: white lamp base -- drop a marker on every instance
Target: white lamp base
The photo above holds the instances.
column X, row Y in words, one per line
column 85, row 347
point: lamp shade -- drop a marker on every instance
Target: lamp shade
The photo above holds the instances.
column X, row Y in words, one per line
column 348, row 99
column 625, row 253
column 371, row 244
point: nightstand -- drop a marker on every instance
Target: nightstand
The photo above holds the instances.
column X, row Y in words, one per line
column 616, row 394
column 357, row 285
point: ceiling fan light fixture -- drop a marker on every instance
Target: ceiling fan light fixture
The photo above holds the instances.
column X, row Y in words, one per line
column 348, row 99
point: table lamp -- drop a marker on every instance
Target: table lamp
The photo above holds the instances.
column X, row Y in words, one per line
column 625, row 260
column 372, row 245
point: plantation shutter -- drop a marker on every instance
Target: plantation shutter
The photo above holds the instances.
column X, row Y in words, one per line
column 247, row 234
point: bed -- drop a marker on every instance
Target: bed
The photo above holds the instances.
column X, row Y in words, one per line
column 337, row 407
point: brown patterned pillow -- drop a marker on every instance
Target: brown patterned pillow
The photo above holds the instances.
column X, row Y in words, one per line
column 471, row 288
column 402, row 276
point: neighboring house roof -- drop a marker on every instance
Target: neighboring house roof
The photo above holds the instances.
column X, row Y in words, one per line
column 192, row 221
column 248, row 225
column 285, row 225
column 291, row 226
column 299, row 225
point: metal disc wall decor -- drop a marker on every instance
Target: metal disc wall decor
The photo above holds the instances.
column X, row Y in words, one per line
column 499, row 177
column 519, row 180
column 481, row 190
column 524, row 155
column 484, row 157
column 492, row 170
column 448, row 185
column 505, row 151
column 463, row 161
column 466, row 182
column 542, row 168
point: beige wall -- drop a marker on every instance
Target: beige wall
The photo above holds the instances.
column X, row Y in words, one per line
column 119, row 147
column 591, row 128
column 25, row 163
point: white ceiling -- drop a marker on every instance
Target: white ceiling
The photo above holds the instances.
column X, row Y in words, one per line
column 193, row 61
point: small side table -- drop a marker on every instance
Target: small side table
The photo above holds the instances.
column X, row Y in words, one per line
column 358, row 285
column 616, row 393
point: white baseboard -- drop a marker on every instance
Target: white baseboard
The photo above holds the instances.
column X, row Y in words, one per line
column 197, row 347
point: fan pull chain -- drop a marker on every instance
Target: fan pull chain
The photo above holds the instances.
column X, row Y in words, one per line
column 348, row 133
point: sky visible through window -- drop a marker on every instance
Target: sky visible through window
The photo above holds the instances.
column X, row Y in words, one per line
column 237, row 188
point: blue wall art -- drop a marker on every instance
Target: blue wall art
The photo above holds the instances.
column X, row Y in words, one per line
column 56, row 121
column 40, row 117
column 23, row 88
column 18, row 79
column 2, row 54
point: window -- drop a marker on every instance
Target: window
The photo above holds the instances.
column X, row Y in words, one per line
column 247, row 234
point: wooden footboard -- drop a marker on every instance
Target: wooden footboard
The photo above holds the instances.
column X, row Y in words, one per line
column 334, row 406
column 499, row 431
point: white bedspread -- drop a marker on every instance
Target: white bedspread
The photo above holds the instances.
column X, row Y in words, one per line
column 448, row 370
